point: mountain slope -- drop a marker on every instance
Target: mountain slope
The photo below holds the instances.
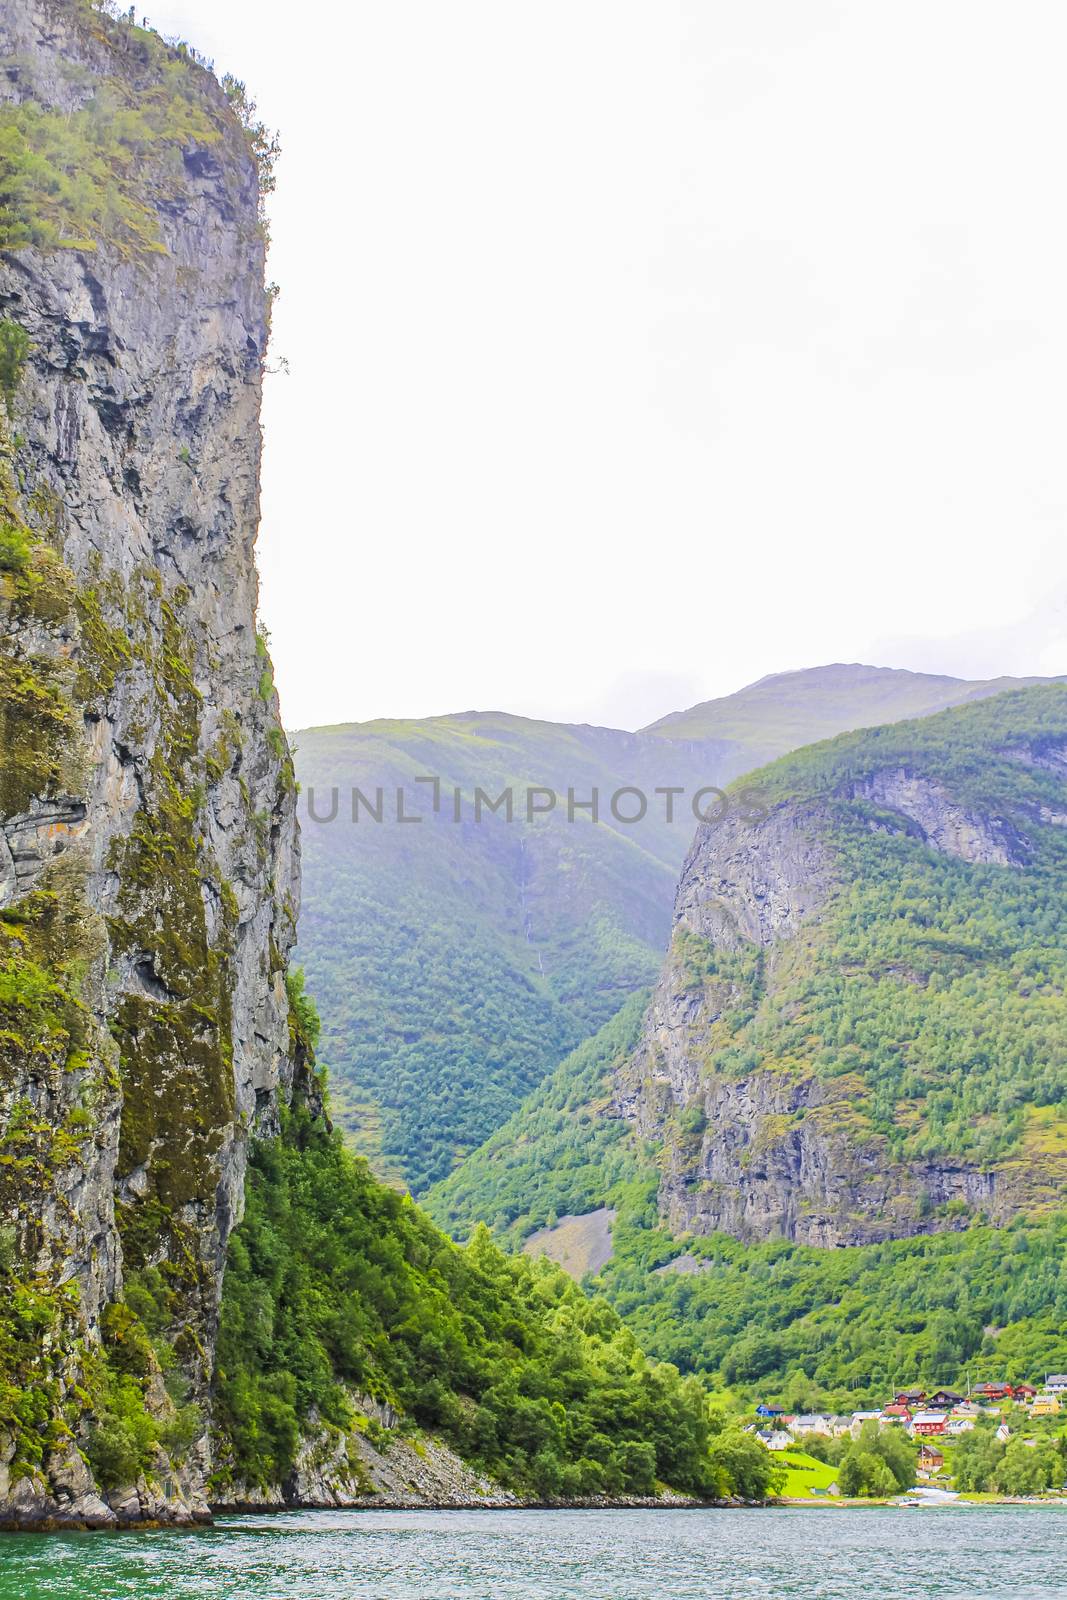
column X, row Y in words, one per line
column 860, row 1026
column 458, row 962
column 859, row 1035
column 789, row 709
column 380, row 1328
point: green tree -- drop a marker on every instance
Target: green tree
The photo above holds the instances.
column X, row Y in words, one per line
column 14, row 348
column 978, row 1455
column 745, row 1467
column 1026, row 1467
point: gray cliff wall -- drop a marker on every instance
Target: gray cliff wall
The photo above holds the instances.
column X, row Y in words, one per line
column 148, row 846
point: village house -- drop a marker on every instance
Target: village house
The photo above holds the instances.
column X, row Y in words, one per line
column 1045, row 1405
column 927, row 1423
column 1003, row 1433
column 930, row 1461
column 912, row 1398
column 860, row 1417
column 815, row 1422
column 1023, row 1393
column 897, row 1412
column 774, row 1439
column 957, row 1425
column 991, row 1392
column 943, row 1400
column 1056, row 1383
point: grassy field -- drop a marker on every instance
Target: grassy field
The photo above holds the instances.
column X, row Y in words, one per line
column 804, row 1476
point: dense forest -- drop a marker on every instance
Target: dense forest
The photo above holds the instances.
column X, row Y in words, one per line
column 336, row 1284
column 802, row 1325
column 557, row 1154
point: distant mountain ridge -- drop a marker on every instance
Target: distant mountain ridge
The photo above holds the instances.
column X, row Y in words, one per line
column 766, row 716
column 456, row 963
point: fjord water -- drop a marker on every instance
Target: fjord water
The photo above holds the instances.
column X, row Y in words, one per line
column 825, row 1553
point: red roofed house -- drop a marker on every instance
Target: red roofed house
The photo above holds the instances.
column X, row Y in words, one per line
column 992, row 1391
column 897, row 1412
column 925, row 1423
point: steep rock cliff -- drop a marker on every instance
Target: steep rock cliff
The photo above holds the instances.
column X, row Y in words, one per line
column 859, row 1031
column 148, row 865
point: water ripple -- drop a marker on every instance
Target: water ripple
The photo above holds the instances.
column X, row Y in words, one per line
column 951, row 1553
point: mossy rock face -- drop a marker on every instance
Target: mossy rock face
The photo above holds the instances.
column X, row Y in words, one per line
column 177, row 1097
column 174, row 1038
column 67, row 649
column 36, row 730
column 38, row 724
column 125, row 142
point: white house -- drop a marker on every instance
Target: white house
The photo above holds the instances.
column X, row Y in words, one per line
column 860, row 1417
column 774, row 1439
column 1056, row 1383
column 815, row 1422
column 958, row 1425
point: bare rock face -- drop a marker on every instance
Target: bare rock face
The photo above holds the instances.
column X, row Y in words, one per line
column 148, row 854
column 762, row 1147
column 791, row 1159
column 942, row 822
column 746, row 885
column 754, row 880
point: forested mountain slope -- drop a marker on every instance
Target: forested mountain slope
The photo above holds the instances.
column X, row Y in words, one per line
column 362, row 1354
column 861, row 1023
column 458, row 962
column 839, row 1132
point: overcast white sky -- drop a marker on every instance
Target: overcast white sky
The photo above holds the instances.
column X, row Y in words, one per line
column 639, row 350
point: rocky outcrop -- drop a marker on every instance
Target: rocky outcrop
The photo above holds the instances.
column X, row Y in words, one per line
column 754, row 879
column 746, row 887
column 374, row 1463
column 792, row 1159
column 148, row 862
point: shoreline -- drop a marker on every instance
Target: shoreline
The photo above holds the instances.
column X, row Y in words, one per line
column 219, row 1513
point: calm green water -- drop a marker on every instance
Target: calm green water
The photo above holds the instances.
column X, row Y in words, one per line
column 821, row 1554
